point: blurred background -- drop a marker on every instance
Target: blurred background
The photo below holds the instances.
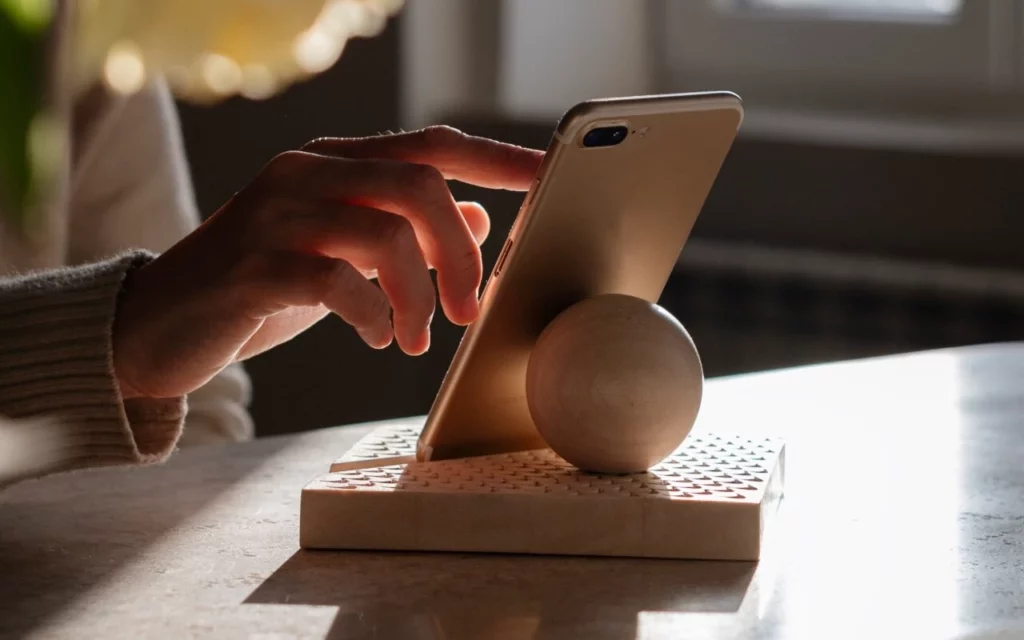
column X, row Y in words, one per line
column 870, row 205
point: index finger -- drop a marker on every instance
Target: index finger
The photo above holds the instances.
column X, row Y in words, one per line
column 458, row 156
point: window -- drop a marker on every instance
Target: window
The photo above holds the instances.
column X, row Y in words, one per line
column 876, row 72
column 882, row 64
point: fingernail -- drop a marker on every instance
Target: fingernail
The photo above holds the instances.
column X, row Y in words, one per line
column 419, row 345
column 413, row 339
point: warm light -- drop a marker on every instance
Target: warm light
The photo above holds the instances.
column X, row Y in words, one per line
column 257, row 82
column 336, row 17
column 220, row 73
column 315, row 51
column 870, row 522
column 124, row 70
column 211, row 51
column 342, row 19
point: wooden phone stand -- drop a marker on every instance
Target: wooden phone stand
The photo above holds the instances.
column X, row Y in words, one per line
column 711, row 497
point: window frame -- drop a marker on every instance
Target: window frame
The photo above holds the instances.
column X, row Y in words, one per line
column 951, row 83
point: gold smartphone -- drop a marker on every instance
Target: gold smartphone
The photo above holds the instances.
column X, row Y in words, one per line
column 613, row 204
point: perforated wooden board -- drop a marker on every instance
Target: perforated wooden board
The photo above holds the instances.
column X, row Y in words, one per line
column 387, row 445
column 712, row 499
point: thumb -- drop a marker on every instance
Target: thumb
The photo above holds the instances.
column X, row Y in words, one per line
column 477, row 219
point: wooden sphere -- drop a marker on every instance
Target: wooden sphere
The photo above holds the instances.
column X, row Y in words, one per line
column 614, row 384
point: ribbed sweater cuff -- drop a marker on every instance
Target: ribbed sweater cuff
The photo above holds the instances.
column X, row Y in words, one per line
column 56, row 364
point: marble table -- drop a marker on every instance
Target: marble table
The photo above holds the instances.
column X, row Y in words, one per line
column 904, row 517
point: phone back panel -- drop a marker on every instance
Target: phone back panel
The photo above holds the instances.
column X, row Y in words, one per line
column 601, row 220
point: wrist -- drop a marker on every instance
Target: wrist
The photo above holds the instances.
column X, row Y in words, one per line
column 120, row 334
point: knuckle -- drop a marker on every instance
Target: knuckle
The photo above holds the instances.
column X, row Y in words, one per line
column 316, row 143
column 327, row 276
column 344, row 281
column 468, row 261
column 267, row 209
column 258, row 227
column 284, row 164
column 441, row 136
column 425, row 178
column 398, row 235
column 376, row 309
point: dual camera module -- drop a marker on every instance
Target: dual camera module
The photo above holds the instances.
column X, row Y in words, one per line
column 605, row 136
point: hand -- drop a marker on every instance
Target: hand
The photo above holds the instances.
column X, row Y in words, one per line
column 303, row 240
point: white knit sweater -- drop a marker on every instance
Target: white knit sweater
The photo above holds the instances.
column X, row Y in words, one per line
column 124, row 194
column 60, row 407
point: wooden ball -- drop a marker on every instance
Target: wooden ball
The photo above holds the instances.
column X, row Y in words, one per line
column 614, row 384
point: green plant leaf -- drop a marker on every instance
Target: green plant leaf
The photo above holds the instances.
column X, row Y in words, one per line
column 31, row 16
column 23, row 28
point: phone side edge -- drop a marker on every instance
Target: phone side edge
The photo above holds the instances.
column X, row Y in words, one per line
column 424, row 444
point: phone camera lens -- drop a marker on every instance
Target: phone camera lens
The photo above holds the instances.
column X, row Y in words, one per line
column 604, row 136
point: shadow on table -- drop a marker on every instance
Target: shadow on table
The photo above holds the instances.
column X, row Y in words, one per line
column 421, row 596
column 66, row 535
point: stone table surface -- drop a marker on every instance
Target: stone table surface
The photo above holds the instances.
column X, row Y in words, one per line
column 903, row 517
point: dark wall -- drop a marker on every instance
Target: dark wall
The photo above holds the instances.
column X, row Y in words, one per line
column 934, row 207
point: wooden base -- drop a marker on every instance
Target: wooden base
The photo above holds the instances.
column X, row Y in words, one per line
column 712, row 499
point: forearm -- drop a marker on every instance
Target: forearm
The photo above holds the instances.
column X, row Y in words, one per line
column 56, row 367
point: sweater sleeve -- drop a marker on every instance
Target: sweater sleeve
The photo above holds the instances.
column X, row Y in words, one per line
column 130, row 188
column 59, row 398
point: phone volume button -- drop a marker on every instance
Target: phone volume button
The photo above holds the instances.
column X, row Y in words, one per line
column 534, row 188
column 504, row 256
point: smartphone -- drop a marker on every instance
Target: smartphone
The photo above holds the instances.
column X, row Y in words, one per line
column 615, row 199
